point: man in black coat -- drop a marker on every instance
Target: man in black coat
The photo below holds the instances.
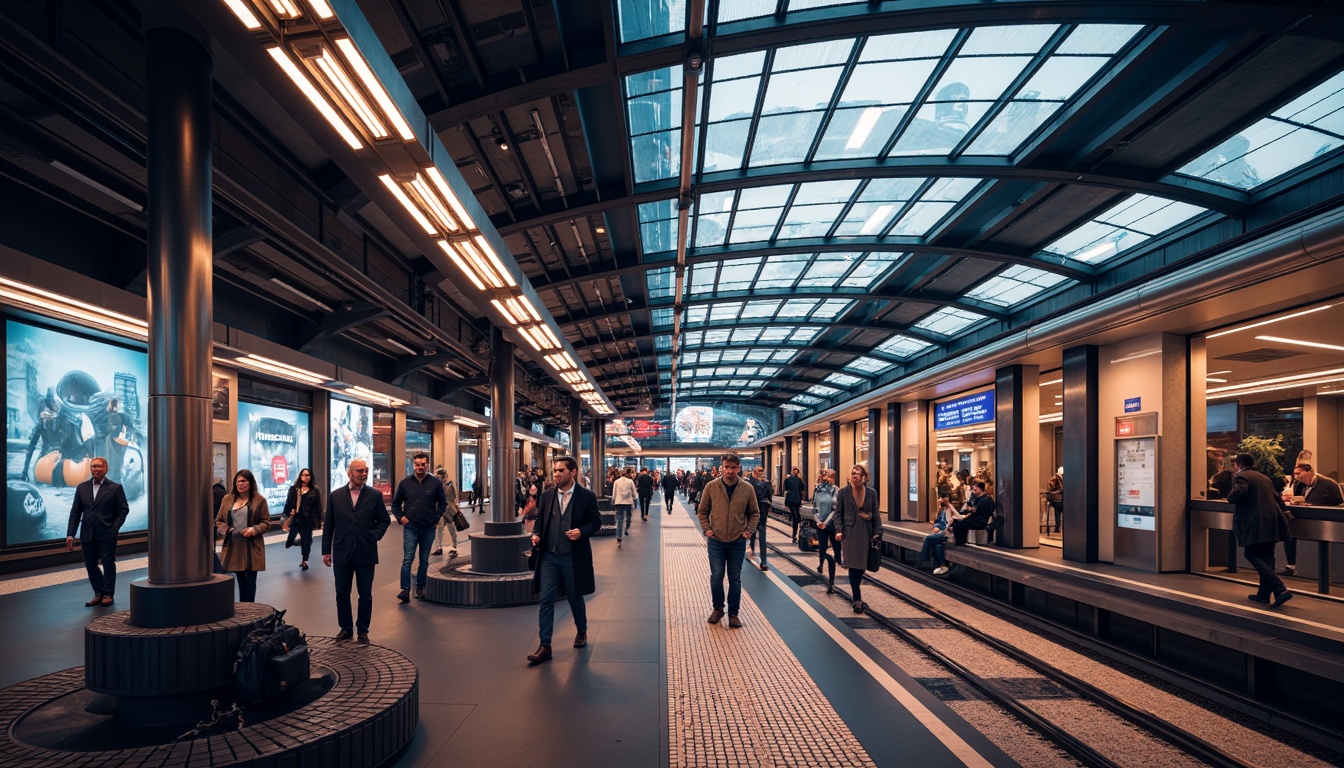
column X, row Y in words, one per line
column 670, row 484
column 644, row 486
column 567, row 517
column 1258, row 521
column 355, row 522
column 978, row 512
column 97, row 514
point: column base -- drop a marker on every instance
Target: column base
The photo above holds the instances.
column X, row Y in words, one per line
column 156, row 606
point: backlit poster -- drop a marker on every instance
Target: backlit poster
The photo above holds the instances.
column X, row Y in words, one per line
column 70, row 399
column 694, row 424
column 1136, row 483
column 273, row 444
column 351, row 437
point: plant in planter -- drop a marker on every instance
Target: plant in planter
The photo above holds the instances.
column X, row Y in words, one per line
column 1266, row 452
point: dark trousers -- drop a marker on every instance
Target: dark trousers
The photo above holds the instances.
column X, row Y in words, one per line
column 247, row 586
column 362, row 575
column 725, row 558
column 669, row 497
column 104, row 551
column 856, row 583
column 826, row 538
column 795, row 518
column 304, row 533
column 1290, row 550
column 962, row 527
column 644, row 502
column 1261, row 558
column 759, row 535
column 555, row 570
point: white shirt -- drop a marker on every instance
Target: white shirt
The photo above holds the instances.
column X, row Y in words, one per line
column 96, row 486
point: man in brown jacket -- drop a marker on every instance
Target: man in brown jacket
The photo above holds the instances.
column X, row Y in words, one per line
column 728, row 515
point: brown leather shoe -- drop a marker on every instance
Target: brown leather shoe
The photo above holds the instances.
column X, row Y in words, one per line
column 715, row 616
column 344, row 634
column 580, row 640
column 734, row 622
column 97, row 600
column 362, row 638
column 543, row 654
column 107, row 600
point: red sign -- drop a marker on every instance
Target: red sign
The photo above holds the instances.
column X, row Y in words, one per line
column 1123, row 428
column 279, row 470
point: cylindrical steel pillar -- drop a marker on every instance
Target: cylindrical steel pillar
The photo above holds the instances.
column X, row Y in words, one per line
column 600, row 458
column 179, row 87
column 501, row 427
column 576, row 433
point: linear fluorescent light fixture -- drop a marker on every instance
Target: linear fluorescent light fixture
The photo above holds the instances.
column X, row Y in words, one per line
column 301, row 294
column 1316, row 344
column 465, row 422
column 282, row 370
column 461, row 264
column 1060, row 380
column 484, row 246
column 447, row 192
column 285, row 9
column 244, row 13
column 66, row 308
column 377, row 397
column 1211, row 395
column 374, row 86
column 317, row 99
column 1267, row 322
column 1298, row 378
column 411, row 208
column 322, row 9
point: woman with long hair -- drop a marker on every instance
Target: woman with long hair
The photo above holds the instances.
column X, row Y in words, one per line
column 242, row 520
column 857, row 522
column 823, row 516
column 302, row 513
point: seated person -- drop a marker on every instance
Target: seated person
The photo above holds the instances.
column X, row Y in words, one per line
column 1315, row 490
column 975, row 515
column 935, row 543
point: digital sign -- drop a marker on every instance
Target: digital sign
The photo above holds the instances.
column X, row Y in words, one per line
column 273, row 444
column 694, row 424
column 70, row 399
column 964, row 411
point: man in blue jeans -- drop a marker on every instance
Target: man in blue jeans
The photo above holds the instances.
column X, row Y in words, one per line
column 728, row 514
column 935, row 544
column 418, row 504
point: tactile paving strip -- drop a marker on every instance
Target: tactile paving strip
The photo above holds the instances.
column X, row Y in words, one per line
column 738, row 697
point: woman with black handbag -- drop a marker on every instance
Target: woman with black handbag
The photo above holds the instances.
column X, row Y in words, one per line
column 242, row 520
column 302, row 513
column 857, row 525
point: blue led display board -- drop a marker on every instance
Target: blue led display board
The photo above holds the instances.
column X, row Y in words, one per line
column 964, row 411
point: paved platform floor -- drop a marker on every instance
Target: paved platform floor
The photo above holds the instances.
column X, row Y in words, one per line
column 656, row 686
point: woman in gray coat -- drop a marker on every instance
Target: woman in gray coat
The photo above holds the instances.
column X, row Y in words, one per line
column 857, row 522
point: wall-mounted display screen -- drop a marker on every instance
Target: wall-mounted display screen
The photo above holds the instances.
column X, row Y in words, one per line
column 964, row 411
column 351, row 437
column 68, row 400
column 719, row 425
column 273, row 444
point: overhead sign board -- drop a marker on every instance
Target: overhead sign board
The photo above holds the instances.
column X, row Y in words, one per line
column 964, row 411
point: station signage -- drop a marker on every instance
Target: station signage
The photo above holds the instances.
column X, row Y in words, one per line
column 1133, row 404
column 964, row 411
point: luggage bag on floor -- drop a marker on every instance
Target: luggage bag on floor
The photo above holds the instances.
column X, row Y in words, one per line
column 272, row 660
column 807, row 536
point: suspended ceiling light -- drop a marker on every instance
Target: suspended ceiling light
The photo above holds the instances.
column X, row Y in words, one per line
column 1267, row 322
column 244, row 13
column 318, row 101
column 66, row 308
column 375, row 87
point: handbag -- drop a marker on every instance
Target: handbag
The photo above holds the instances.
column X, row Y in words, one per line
column 271, row 661
column 460, row 521
column 807, row 536
column 875, row 553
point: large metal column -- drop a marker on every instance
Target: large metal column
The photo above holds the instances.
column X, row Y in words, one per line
column 1017, row 461
column 1081, row 463
column 576, row 432
column 180, row 88
column 501, row 427
column 805, row 463
column 600, row 458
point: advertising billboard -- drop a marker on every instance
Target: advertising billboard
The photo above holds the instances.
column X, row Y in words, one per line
column 70, row 399
column 351, row 437
column 720, row 425
column 273, row 444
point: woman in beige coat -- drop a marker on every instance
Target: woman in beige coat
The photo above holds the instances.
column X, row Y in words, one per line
column 242, row 518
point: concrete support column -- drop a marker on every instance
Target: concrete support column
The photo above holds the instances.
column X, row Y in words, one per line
column 179, row 84
column 891, row 435
column 501, row 427
column 600, row 458
column 806, row 463
column 1017, row 405
column 1081, row 482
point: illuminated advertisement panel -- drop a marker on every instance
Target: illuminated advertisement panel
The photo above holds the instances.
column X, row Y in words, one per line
column 273, row 444
column 70, row 399
column 351, row 437
column 720, row 425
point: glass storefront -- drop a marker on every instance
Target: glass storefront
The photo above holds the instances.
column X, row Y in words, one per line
column 862, row 436
column 468, row 462
column 380, row 474
column 1051, row 446
column 823, row 440
column 419, row 439
column 964, row 442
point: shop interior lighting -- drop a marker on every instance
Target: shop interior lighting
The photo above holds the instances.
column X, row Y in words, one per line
column 48, row 303
column 377, row 397
column 1297, row 378
column 466, row 422
column 1215, row 381
column 1317, row 344
column 317, row 99
column 1060, row 380
column 1051, row 418
column 283, row 370
column 1216, row 373
column 244, row 13
column 1267, row 322
column 1275, row 388
column 375, row 87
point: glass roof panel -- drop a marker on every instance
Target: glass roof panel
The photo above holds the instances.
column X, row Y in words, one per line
column 640, row 20
column 791, row 407
column 949, row 320
column 871, row 269
column 902, row 346
column 869, row 365
column 1015, row 285
column 823, row 390
column 661, row 318
column 661, row 283
column 658, row 226
column 1305, row 128
column 844, row 379
column 781, row 271
column 806, row 399
column 1135, row 219
column 702, row 279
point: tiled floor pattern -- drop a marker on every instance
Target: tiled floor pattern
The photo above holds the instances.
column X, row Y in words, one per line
column 737, row 697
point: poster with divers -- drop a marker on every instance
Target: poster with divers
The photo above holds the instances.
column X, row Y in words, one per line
column 69, row 399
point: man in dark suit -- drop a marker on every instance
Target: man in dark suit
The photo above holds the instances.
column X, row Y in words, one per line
column 1258, row 522
column 355, row 522
column 644, row 484
column 566, row 517
column 98, row 512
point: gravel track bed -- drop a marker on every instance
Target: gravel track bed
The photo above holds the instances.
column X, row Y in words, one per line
column 1234, row 732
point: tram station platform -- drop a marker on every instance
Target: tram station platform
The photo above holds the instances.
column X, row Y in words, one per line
column 656, row 685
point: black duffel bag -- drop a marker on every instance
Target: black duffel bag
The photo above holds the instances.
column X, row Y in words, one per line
column 272, row 661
